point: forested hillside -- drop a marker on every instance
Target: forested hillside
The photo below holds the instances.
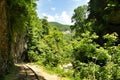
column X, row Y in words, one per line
column 59, row 26
column 90, row 52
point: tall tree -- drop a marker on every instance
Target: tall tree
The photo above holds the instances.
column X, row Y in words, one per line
column 79, row 17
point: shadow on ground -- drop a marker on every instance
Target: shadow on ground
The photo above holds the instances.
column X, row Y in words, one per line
column 18, row 73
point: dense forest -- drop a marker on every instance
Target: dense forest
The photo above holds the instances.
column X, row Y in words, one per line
column 92, row 47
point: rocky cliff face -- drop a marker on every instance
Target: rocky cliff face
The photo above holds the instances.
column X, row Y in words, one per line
column 4, row 39
column 10, row 52
column 18, row 47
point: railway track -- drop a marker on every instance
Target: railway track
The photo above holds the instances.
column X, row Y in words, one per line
column 30, row 74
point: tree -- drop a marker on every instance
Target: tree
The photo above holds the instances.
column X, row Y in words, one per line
column 79, row 18
column 105, row 14
column 92, row 61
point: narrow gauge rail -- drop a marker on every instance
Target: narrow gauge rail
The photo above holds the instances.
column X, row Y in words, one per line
column 30, row 73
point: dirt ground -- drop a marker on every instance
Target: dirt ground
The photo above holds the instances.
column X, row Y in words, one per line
column 47, row 76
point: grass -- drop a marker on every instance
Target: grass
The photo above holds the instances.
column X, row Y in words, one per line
column 56, row 70
column 13, row 71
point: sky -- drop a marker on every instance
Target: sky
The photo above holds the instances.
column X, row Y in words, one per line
column 58, row 10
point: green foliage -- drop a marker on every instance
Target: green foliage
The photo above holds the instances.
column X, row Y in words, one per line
column 34, row 35
column 56, row 53
column 92, row 61
column 105, row 14
column 79, row 18
column 47, row 44
column 84, row 47
column 19, row 14
column 111, row 39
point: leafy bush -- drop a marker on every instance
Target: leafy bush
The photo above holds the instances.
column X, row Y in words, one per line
column 92, row 61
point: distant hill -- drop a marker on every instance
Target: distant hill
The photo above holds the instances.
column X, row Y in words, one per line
column 60, row 26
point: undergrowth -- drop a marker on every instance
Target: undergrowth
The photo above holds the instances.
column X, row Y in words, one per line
column 56, row 70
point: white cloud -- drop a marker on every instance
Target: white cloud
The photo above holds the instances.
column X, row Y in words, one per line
column 56, row 16
column 88, row 0
column 63, row 18
column 49, row 17
column 53, row 9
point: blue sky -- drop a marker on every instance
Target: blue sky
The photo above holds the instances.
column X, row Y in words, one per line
column 58, row 10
